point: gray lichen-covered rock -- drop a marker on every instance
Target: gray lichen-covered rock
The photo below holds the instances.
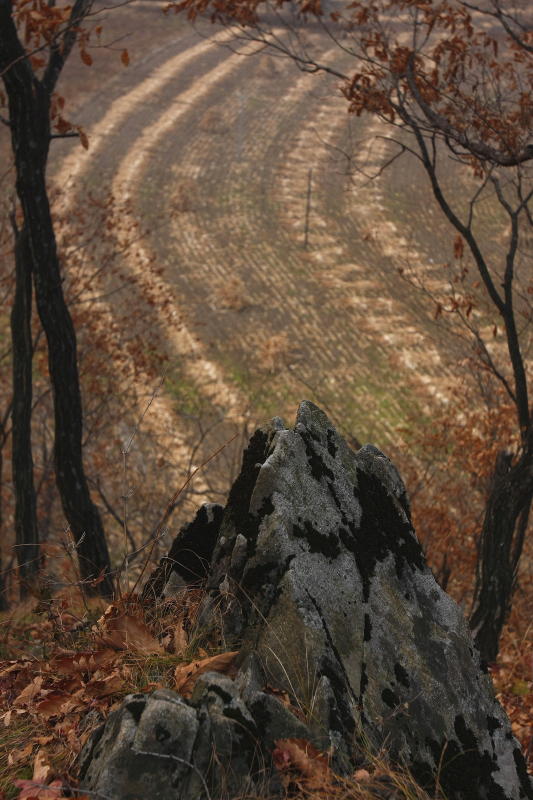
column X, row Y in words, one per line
column 318, row 578
column 162, row 746
column 329, row 589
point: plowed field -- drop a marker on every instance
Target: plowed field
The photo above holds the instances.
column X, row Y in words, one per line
column 216, row 153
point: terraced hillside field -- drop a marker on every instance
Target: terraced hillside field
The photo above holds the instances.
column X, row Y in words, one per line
column 216, row 153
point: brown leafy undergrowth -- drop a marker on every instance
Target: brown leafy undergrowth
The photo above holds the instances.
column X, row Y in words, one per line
column 69, row 662
column 70, row 667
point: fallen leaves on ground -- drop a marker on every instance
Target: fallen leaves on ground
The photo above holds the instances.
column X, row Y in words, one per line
column 45, row 701
column 186, row 675
column 126, row 632
column 35, row 790
column 300, row 763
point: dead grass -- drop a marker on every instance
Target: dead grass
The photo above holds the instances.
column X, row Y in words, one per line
column 273, row 353
column 185, row 197
column 213, row 121
column 231, row 295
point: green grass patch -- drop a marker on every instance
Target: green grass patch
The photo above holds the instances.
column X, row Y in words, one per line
column 12, row 739
column 186, row 397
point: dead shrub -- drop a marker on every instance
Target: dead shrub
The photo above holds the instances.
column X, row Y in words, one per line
column 231, row 295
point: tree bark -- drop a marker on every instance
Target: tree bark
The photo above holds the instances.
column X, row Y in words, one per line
column 26, row 527
column 506, row 514
column 29, row 116
column 4, row 604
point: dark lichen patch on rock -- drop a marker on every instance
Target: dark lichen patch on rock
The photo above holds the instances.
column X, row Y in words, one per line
column 433, row 649
column 254, row 456
column 382, row 521
column 368, row 547
column 237, row 514
column 465, row 772
column 265, row 575
column 136, row 705
column 363, row 683
column 332, row 447
column 266, row 508
column 333, row 493
column 521, row 768
column 190, row 554
column 469, row 771
column 341, row 717
column 325, row 543
column 390, row 698
column 253, row 524
column 316, row 462
column 401, row 675
column 268, row 577
column 464, row 734
column 493, row 724
column 382, row 531
column 161, row 733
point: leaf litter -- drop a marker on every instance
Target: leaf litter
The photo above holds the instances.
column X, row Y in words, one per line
column 45, row 701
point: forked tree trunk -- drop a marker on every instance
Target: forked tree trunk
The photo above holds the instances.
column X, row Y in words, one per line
column 500, row 547
column 29, row 116
column 26, row 528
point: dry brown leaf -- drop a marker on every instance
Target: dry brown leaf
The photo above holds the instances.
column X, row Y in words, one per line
column 30, row 691
column 87, row 661
column 15, row 756
column 180, row 638
column 186, row 675
column 105, row 686
column 42, row 771
column 35, row 790
column 56, row 703
column 282, row 696
column 126, row 632
column 69, row 685
column 301, row 755
column 73, row 740
column 84, row 139
column 13, row 666
column 6, row 717
column 43, row 739
column 151, row 686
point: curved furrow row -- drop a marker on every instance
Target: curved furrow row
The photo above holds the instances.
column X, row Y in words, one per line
column 124, row 120
column 134, row 164
column 214, row 150
column 259, row 247
column 357, row 252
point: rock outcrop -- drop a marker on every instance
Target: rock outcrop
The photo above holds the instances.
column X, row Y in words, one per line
column 318, row 579
column 189, row 558
column 217, row 745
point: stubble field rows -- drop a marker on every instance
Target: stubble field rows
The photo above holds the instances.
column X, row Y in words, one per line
column 214, row 151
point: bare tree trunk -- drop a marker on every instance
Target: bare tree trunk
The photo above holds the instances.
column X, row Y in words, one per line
column 500, row 547
column 4, row 604
column 29, row 119
column 26, row 528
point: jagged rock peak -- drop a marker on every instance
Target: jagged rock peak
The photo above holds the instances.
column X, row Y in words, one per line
column 317, row 577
